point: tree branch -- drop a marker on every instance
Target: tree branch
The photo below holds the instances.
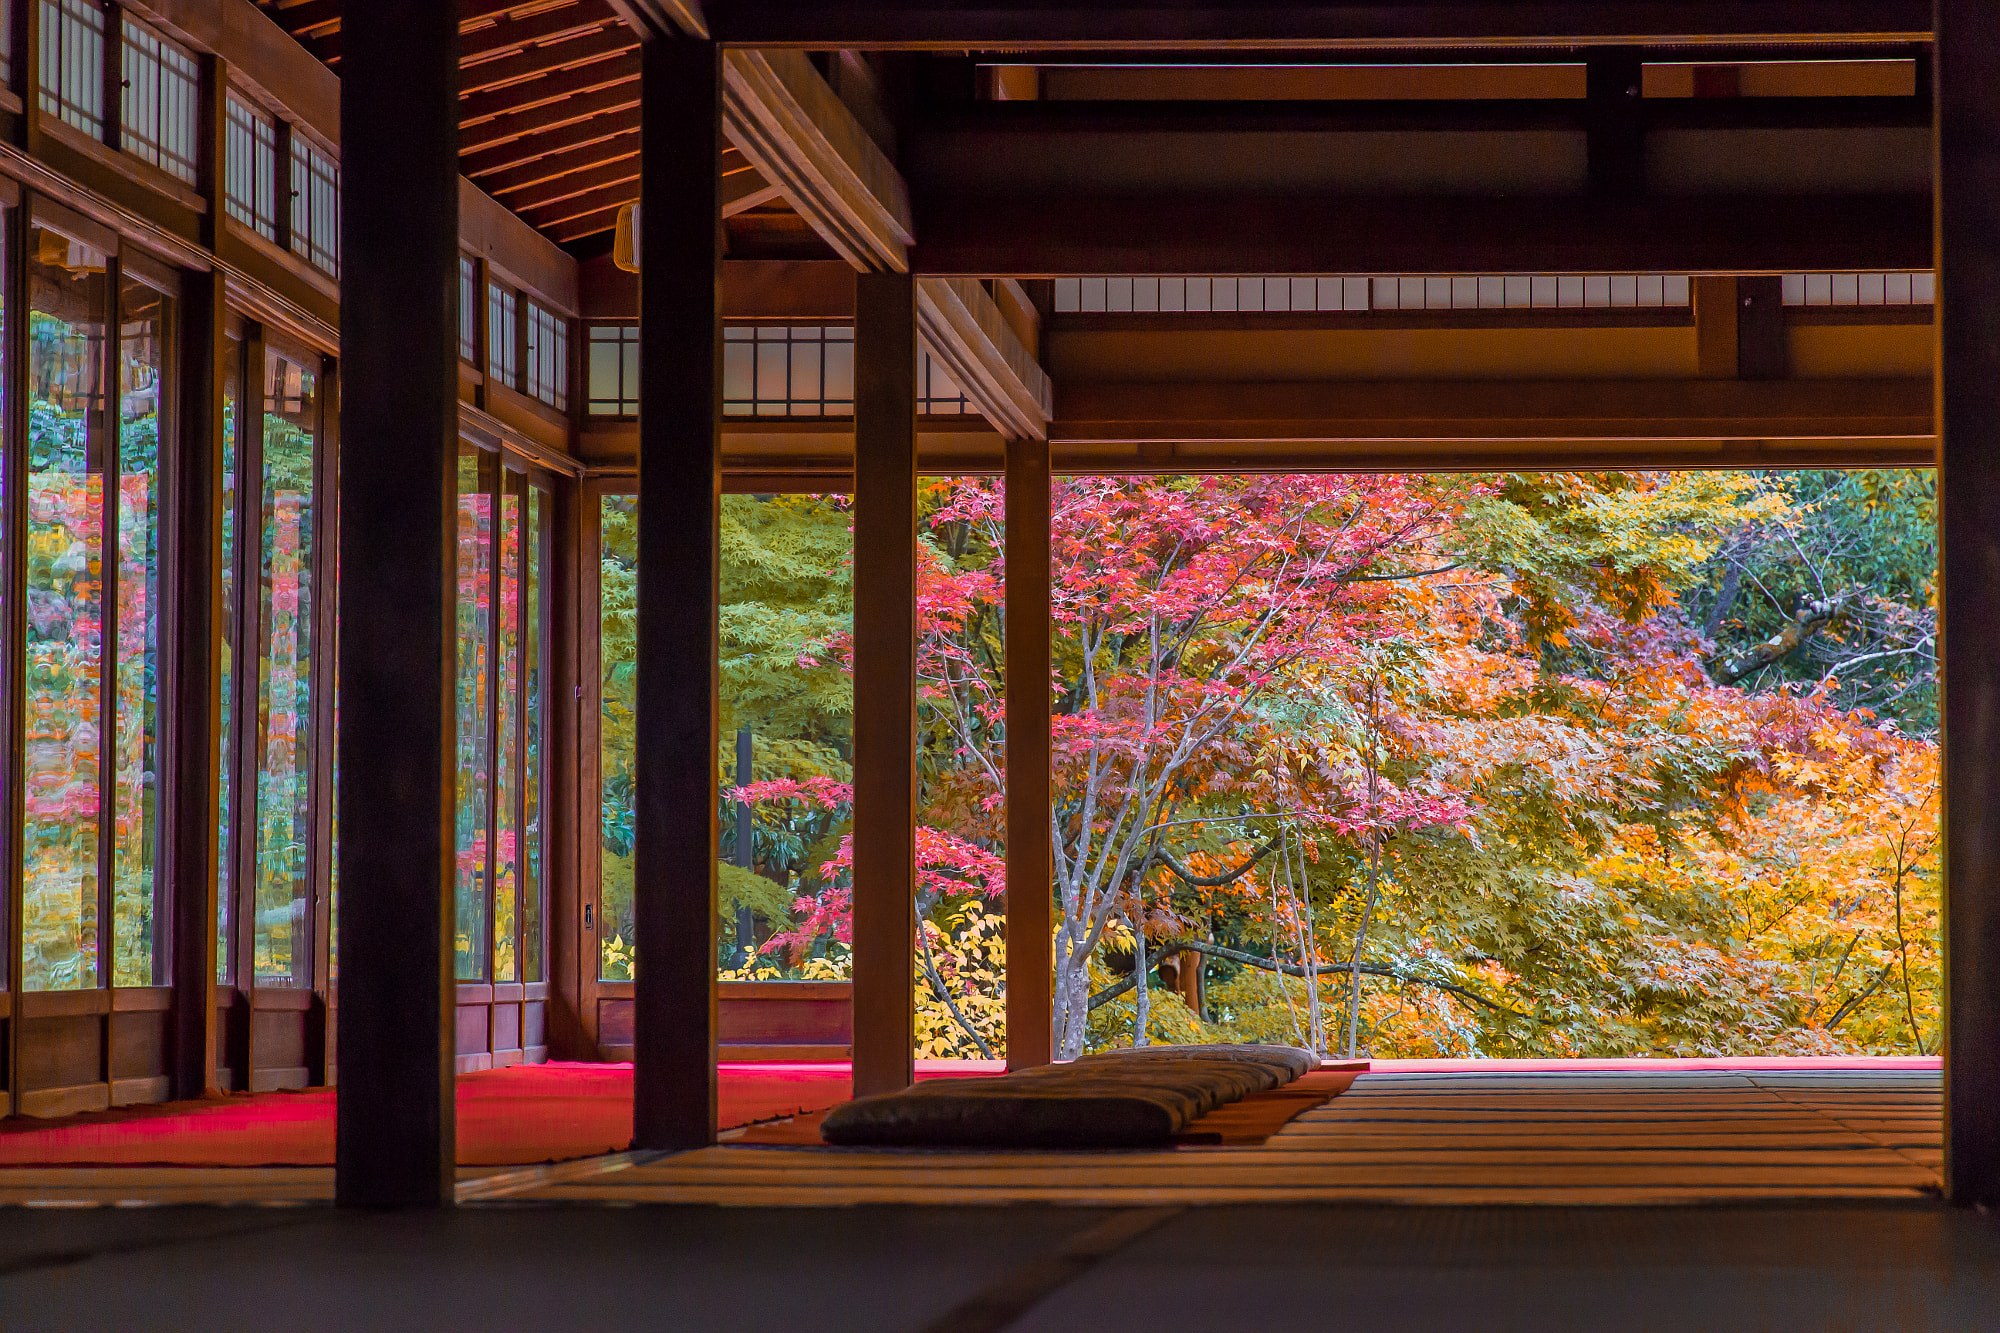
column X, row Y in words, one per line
column 1809, row 619
column 1166, row 858
column 1172, row 947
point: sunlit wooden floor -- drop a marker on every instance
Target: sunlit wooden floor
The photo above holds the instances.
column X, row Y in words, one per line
column 1464, row 1136
column 1473, row 1137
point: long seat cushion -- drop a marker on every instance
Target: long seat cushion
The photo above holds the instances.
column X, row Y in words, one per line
column 1137, row 1098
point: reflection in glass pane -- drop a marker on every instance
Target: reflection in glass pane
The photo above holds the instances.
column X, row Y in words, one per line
column 284, row 672
column 618, row 585
column 475, row 594
column 145, row 335
column 225, row 848
column 531, row 758
column 507, row 707
column 62, row 690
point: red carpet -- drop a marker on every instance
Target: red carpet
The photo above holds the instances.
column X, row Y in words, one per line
column 526, row 1114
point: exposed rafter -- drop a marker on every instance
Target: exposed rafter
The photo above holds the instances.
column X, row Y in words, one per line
column 516, row 152
column 618, row 104
column 966, row 331
column 798, row 133
column 540, row 60
column 538, row 94
column 556, row 165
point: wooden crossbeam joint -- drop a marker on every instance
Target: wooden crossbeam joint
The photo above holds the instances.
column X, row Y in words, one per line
column 966, row 331
column 794, row 129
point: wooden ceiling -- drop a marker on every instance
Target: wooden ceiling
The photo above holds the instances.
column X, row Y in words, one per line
column 549, row 97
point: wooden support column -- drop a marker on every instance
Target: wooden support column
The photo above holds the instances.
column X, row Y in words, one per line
column 398, row 647
column 1615, row 112
column 1968, row 259
column 1762, row 349
column 195, row 684
column 885, row 679
column 675, row 834
column 1030, row 861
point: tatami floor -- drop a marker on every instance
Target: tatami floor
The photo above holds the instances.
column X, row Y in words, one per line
column 1469, row 1136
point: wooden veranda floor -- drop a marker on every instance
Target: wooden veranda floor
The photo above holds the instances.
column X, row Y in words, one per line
column 1473, row 1136
column 1466, row 1135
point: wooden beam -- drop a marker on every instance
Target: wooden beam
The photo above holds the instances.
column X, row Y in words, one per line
column 967, row 333
column 575, row 206
column 1030, row 836
column 793, row 128
column 550, row 27
column 917, row 25
column 663, row 18
column 1558, row 412
column 395, row 1132
column 316, row 15
column 588, row 224
column 541, row 60
column 622, row 169
column 1053, row 235
column 675, row 836
column 553, row 165
column 740, row 193
column 885, row 683
column 520, row 151
column 516, row 98
column 1968, row 110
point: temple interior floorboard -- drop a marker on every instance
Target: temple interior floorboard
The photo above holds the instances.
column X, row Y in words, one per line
column 1912, row 1266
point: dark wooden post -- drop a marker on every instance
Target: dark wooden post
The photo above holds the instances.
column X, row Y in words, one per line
column 675, row 833
column 885, row 679
column 195, row 685
column 398, row 653
column 1968, row 375
column 1030, row 863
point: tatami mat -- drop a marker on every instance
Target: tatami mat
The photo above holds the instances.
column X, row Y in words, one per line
column 1456, row 1137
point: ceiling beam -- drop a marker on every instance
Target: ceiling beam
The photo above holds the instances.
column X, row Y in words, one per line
column 1501, row 411
column 1053, row 234
column 577, row 205
column 619, row 171
column 518, row 97
column 966, row 332
column 1034, row 25
column 618, row 103
column 663, row 18
column 510, row 34
column 548, row 59
column 582, row 158
column 795, row 130
column 520, row 151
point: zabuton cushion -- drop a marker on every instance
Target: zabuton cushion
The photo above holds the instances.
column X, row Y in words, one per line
column 1119, row 1099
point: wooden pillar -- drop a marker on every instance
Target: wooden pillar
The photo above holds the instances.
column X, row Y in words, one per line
column 1968, row 413
column 1030, row 861
column 194, row 707
column 675, row 835
column 885, row 679
column 398, row 650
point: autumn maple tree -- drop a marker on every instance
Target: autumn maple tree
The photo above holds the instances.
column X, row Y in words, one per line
column 1453, row 765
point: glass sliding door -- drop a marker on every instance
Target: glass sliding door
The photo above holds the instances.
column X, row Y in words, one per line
column 63, row 670
column 145, row 377
column 501, row 852
column 285, row 620
column 471, row 866
column 99, row 405
column 226, row 645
